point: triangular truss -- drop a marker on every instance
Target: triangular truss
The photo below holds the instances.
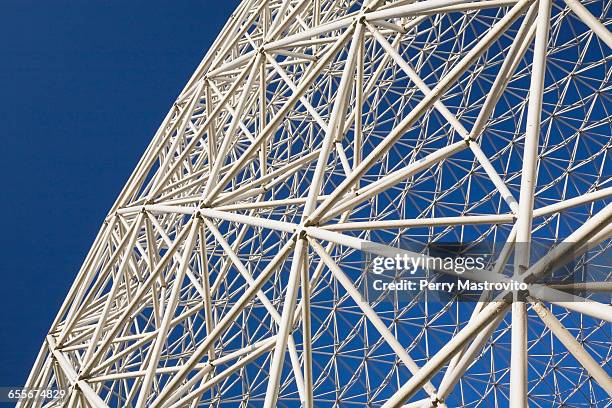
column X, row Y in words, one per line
column 228, row 271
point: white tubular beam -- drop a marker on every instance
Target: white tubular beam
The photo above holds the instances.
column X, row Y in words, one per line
column 518, row 361
column 90, row 395
column 225, row 267
column 293, row 54
column 476, row 5
column 518, row 357
column 501, row 186
column 425, row 402
column 281, row 9
column 249, row 220
column 584, row 286
column 227, row 319
column 285, row 328
column 357, row 117
column 159, row 209
column 304, row 307
column 288, row 202
column 72, row 402
column 573, row 202
column 106, row 363
column 444, row 354
column 591, row 21
column 370, row 313
column 428, row 6
column 532, row 136
column 390, row 26
column 207, row 298
column 230, row 67
column 575, row 348
column 422, row 222
column 572, row 302
column 346, row 166
column 308, row 34
column 152, row 253
column 589, row 308
column 211, row 131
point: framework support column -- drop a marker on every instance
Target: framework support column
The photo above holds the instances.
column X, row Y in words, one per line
column 518, row 362
column 278, row 359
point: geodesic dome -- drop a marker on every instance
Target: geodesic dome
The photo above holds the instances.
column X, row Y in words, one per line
column 231, row 269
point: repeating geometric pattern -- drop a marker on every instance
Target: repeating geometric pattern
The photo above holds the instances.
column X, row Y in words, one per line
column 228, row 272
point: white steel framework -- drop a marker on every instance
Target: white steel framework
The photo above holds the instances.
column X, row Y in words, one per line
column 228, row 271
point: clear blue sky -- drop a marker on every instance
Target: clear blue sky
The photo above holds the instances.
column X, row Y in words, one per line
column 83, row 85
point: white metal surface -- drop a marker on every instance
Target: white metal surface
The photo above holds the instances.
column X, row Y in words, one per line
column 225, row 273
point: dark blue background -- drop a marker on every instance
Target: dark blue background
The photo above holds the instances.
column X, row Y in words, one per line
column 83, row 87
